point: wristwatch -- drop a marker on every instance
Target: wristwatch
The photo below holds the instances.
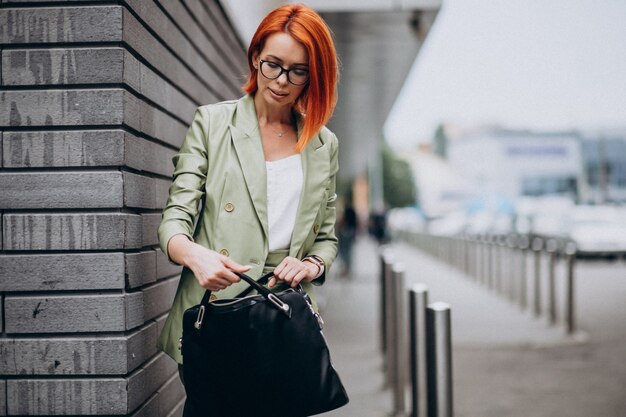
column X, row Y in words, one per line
column 316, row 260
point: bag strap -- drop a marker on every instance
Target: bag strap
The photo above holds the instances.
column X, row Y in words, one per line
column 267, row 294
column 262, row 281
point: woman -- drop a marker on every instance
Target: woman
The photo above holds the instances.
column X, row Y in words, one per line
column 254, row 181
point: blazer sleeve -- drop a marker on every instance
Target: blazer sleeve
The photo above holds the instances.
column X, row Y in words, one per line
column 325, row 245
column 187, row 188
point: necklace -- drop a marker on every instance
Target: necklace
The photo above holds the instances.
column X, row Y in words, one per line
column 280, row 134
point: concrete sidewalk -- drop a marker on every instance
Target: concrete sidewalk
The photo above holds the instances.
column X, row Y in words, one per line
column 506, row 362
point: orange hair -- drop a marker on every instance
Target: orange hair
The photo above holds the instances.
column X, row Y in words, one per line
column 317, row 101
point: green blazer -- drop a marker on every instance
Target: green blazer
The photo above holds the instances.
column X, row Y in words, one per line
column 222, row 160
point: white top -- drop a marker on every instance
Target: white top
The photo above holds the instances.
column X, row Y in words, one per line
column 284, row 186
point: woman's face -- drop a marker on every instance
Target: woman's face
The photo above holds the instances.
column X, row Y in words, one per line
column 281, row 50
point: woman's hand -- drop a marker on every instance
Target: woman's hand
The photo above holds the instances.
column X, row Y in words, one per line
column 213, row 270
column 293, row 271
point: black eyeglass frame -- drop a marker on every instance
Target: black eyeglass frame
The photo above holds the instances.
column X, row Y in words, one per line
column 282, row 70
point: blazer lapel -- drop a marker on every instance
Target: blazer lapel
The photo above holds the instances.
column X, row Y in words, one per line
column 247, row 142
column 316, row 168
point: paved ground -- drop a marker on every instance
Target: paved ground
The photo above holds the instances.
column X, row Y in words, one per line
column 506, row 362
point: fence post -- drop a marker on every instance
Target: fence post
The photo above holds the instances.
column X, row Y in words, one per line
column 511, row 281
column 523, row 284
column 570, row 319
column 537, row 245
column 418, row 301
column 439, row 359
column 489, row 271
column 398, row 346
column 551, row 248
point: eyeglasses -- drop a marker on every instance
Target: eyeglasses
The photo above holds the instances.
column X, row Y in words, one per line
column 296, row 76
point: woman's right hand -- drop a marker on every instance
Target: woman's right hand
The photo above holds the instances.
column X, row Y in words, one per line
column 213, row 270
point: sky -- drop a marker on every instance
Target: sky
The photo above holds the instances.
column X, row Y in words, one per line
column 538, row 64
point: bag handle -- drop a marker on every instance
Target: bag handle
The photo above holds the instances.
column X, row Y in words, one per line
column 267, row 294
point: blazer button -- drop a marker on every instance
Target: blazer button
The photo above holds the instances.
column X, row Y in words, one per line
column 213, row 297
column 224, row 252
column 316, row 228
column 229, row 207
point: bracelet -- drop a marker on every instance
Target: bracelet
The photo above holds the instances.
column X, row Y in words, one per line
column 317, row 261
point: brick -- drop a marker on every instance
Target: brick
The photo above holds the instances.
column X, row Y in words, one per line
column 134, row 310
column 63, row 107
column 92, row 189
column 160, row 322
column 166, row 399
column 67, row 313
column 162, row 192
column 148, row 378
column 64, row 149
column 158, row 298
column 61, row 24
column 71, row 231
column 3, row 398
column 148, row 156
column 87, row 107
column 139, row 191
column 110, row 355
column 140, row 268
column 141, row 346
column 67, row 271
column 170, row 395
column 150, row 226
column 62, row 66
column 87, row 148
column 165, row 268
column 67, row 396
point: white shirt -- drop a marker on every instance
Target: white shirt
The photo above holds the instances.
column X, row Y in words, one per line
column 284, row 186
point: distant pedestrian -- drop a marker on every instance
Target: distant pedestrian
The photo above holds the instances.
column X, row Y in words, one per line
column 347, row 231
column 378, row 226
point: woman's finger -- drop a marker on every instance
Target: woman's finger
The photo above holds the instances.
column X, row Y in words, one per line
column 299, row 277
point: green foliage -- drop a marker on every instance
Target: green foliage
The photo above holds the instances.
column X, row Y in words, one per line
column 398, row 184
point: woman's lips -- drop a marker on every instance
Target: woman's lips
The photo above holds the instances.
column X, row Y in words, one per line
column 278, row 94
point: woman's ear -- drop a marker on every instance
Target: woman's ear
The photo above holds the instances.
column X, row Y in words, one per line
column 255, row 60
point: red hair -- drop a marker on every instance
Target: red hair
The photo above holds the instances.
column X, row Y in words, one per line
column 317, row 101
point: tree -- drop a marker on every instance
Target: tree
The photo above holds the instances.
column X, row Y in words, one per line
column 398, row 184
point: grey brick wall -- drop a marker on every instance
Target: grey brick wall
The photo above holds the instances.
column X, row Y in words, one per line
column 95, row 99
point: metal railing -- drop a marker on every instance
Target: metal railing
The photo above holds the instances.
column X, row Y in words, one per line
column 521, row 268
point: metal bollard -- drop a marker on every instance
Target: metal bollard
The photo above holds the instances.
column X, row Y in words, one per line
column 523, row 284
column 418, row 301
column 385, row 271
column 498, row 276
column 388, row 318
column 439, row 360
column 399, row 364
column 511, row 280
column 489, row 262
column 537, row 245
column 570, row 320
column 551, row 248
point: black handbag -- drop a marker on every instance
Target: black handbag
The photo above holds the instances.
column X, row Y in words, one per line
column 260, row 355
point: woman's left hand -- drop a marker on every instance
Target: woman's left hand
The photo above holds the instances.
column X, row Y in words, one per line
column 293, row 271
